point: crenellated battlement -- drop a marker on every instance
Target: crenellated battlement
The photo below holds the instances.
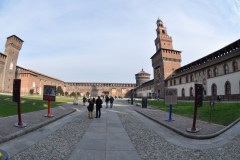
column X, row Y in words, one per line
column 2, row 56
column 14, row 41
column 169, row 51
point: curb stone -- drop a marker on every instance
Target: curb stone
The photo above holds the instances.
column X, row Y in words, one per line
column 30, row 129
column 187, row 135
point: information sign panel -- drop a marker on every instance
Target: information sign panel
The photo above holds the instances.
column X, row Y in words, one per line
column 144, row 102
column 16, row 90
column 170, row 96
column 199, row 94
column 49, row 93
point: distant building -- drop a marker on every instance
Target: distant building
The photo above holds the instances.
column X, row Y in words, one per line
column 218, row 72
column 100, row 89
column 142, row 77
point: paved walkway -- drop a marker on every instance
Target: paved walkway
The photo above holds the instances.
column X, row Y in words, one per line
column 105, row 139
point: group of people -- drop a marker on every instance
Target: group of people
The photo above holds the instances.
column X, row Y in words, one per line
column 107, row 100
column 98, row 102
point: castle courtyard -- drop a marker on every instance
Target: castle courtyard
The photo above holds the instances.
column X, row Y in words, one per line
column 120, row 133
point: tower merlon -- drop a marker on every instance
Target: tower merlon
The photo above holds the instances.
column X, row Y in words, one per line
column 171, row 51
column 3, row 56
column 15, row 41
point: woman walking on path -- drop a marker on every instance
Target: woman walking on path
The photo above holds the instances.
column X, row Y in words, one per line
column 90, row 108
column 98, row 107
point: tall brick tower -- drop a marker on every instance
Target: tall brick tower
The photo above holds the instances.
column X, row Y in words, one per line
column 165, row 61
column 12, row 48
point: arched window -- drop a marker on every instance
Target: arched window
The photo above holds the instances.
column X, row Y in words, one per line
column 183, row 92
column 226, row 69
column 235, row 66
column 227, row 88
column 215, row 72
column 191, row 91
column 186, row 79
column 204, row 81
column 214, row 89
column 191, row 78
column 209, row 73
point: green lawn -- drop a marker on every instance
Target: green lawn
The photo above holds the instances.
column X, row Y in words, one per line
column 222, row 113
column 28, row 104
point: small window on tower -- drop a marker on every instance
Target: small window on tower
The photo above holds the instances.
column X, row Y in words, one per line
column 163, row 31
column 11, row 66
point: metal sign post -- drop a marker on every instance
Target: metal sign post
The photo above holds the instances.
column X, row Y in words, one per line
column 16, row 98
column 49, row 94
column 170, row 98
column 211, row 105
column 170, row 119
column 197, row 102
column 132, row 99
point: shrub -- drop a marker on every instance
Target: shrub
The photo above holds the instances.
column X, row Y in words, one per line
column 31, row 91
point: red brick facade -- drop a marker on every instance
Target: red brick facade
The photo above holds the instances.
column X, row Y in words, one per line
column 8, row 63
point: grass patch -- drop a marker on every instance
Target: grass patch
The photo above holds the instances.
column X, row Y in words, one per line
column 28, row 104
column 222, row 113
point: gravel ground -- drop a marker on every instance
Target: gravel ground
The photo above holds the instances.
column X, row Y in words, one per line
column 60, row 144
column 150, row 146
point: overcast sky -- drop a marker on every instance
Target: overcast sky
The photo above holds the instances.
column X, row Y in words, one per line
column 112, row 40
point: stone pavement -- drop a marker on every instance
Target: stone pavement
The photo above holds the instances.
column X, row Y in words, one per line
column 105, row 139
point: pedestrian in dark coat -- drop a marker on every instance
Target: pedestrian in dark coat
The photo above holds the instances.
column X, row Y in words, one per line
column 111, row 101
column 98, row 107
column 107, row 100
column 84, row 100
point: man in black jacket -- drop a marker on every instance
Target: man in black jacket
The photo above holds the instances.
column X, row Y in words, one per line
column 98, row 107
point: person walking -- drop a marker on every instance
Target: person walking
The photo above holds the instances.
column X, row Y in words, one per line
column 84, row 100
column 93, row 100
column 111, row 101
column 90, row 108
column 107, row 100
column 98, row 107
